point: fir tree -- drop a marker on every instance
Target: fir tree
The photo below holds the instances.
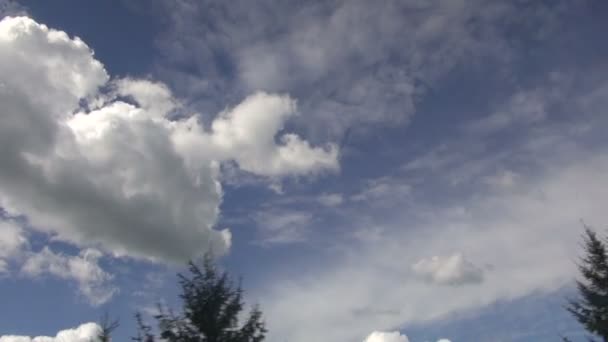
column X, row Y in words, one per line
column 210, row 313
column 591, row 306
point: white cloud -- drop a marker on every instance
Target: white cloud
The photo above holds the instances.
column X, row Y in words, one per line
column 376, row 74
column 395, row 336
column 378, row 336
column 449, row 270
column 331, row 200
column 282, row 227
column 383, row 191
column 528, row 232
column 124, row 176
column 12, row 239
column 87, row 332
column 434, row 159
column 93, row 282
column 525, row 107
column 247, row 133
column 10, row 7
column 502, row 179
column 154, row 97
column 13, row 243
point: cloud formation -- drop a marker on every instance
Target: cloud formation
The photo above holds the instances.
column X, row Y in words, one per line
column 117, row 168
column 330, row 200
column 282, row 227
column 525, row 227
column 247, row 133
column 10, row 7
column 454, row 269
column 383, row 191
column 378, row 336
column 395, row 336
column 376, row 75
column 93, row 282
column 87, row 332
column 12, row 243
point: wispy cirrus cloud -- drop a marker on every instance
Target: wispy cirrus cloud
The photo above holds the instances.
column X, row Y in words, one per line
column 377, row 73
column 514, row 210
column 283, row 226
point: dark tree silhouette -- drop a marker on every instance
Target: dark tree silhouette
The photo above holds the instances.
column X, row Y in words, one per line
column 107, row 326
column 144, row 332
column 591, row 306
column 210, row 313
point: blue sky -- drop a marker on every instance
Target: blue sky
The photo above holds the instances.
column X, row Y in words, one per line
column 403, row 171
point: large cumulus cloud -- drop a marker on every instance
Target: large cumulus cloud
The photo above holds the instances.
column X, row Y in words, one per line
column 111, row 168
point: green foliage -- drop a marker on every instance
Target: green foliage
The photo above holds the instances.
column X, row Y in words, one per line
column 591, row 306
column 211, row 307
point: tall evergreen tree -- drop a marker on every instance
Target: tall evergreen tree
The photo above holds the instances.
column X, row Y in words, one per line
column 591, row 306
column 210, row 313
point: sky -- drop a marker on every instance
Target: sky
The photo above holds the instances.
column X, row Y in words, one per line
column 376, row 171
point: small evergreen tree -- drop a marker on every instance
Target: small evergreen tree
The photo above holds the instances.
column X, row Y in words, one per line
column 211, row 308
column 591, row 306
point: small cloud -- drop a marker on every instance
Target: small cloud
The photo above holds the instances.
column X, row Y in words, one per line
column 381, row 190
column 12, row 239
column 93, row 282
column 12, row 8
column 282, row 227
column 394, row 336
column 331, row 200
column 502, row 179
column 277, row 188
column 526, row 107
column 379, row 336
column 449, row 270
column 436, row 159
column 3, row 266
column 369, row 234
